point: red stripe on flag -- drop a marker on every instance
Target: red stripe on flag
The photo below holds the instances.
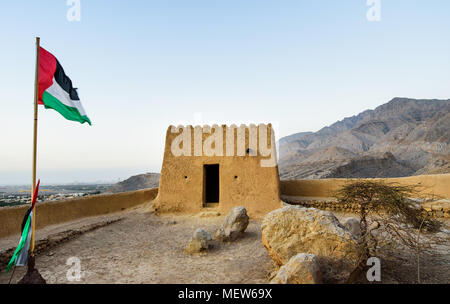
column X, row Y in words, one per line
column 47, row 67
column 35, row 194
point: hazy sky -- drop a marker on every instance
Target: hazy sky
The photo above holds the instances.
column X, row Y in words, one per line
column 143, row 65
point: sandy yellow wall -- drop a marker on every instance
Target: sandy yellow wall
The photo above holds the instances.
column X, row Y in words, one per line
column 243, row 180
column 55, row 212
column 438, row 185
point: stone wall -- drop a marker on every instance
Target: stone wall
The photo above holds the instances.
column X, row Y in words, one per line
column 319, row 193
column 437, row 185
column 323, row 204
column 440, row 208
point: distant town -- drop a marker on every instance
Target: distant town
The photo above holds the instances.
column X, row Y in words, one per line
column 20, row 195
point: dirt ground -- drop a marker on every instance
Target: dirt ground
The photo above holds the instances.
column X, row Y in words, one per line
column 145, row 248
column 141, row 247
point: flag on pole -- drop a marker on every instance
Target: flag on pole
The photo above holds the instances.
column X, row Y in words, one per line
column 56, row 91
column 20, row 256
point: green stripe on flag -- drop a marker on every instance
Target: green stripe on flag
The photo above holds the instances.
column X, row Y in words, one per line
column 69, row 113
column 22, row 242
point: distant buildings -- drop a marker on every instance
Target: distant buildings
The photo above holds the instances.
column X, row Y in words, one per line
column 17, row 196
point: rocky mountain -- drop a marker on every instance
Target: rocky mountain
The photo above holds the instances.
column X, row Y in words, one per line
column 137, row 182
column 400, row 138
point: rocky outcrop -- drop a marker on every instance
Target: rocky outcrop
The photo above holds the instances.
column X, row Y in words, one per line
column 199, row 242
column 234, row 226
column 372, row 166
column 302, row 268
column 293, row 229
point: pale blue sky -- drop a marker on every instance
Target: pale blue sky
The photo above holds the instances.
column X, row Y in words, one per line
column 143, row 65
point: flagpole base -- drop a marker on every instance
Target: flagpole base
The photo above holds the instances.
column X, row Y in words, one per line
column 32, row 276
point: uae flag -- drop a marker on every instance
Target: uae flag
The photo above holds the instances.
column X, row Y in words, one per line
column 56, row 91
column 20, row 256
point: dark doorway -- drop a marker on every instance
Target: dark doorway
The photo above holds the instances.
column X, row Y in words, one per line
column 211, row 178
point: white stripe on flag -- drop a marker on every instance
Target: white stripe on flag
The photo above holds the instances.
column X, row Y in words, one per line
column 56, row 91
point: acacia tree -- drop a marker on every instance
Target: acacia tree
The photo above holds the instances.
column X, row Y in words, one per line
column 388, row 207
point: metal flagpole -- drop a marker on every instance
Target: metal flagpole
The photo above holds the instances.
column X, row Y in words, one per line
column 33, row 276
column 33, row 184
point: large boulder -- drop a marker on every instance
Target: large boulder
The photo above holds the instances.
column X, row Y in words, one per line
column 200, row 241
column 234, row 226
column 291, row 230
column 302, row 268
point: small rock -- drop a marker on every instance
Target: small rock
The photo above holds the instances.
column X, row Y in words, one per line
column 209, row 214
column 200, row 241
column 300, row 269
column 234, row 226
column 352, row 224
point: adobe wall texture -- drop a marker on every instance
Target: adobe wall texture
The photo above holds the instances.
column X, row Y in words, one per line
column 50, row 213
column 246, row 179
column 438, row 185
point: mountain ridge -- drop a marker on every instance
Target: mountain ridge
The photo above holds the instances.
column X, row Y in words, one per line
column 414, row 131
column 136, row 182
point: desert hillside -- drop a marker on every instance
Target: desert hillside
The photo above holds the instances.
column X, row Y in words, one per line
column 400, row 138
column 137, row 182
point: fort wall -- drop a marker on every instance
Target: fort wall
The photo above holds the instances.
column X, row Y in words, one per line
column 433, row 185
column 242, row 154
column 56, row 212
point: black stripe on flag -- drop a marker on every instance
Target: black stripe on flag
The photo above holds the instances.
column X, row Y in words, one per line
column 65, row 82
column 25, row 218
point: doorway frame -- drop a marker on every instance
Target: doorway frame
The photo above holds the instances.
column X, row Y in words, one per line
column 205, row 203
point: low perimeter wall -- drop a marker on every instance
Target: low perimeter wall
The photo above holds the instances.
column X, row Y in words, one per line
column 55, row 212
column 433, row 185
column 439, row 208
